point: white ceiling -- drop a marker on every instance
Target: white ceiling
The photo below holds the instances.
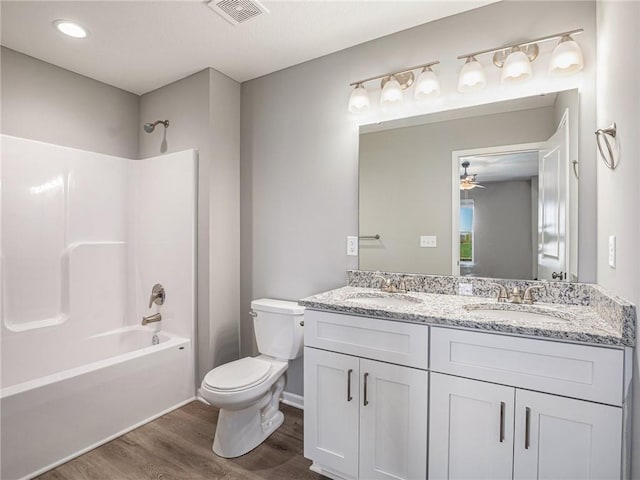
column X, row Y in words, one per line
column 142, row 45
column 503, row 167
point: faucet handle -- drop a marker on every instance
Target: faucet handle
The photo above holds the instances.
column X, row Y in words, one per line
column 386, row 282
column 403, row 285
column 158, row 295
column 528, row 297
column 502, row 292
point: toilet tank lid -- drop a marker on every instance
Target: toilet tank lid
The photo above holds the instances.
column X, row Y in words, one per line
column 277, row 306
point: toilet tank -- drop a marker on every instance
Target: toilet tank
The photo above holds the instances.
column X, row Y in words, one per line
column 278, row 328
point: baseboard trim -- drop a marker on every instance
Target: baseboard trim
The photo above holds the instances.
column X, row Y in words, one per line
column 200, row 398
column 293, row 400
column 325, row 473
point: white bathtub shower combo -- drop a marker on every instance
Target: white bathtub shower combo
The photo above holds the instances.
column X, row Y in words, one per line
column 85, row 236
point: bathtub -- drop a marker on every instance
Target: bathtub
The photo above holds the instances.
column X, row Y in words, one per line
column 86, row 393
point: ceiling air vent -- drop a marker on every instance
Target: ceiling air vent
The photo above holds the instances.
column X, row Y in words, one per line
column 237, row 11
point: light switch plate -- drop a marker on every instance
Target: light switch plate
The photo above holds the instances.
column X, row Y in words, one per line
column 428, row 241
column 612, row 251
column 465, row 289
column 352, row 246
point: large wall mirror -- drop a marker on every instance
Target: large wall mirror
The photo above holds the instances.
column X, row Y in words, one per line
column 487, row 191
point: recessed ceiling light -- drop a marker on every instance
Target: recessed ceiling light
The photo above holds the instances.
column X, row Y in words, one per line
column 71, row 29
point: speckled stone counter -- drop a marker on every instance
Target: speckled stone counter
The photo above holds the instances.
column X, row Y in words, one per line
column 574, row 312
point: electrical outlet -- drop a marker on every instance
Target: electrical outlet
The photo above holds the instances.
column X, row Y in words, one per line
column 352, row 246
column 465, row 289
column 612, row 251
column 428, row 241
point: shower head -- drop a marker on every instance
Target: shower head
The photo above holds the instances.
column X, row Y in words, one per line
column 150, row 127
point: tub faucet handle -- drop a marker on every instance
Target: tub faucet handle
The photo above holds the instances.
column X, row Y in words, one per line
column 158, row 295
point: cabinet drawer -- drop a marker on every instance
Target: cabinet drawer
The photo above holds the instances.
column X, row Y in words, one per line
column 579, row 371
column 386, row 340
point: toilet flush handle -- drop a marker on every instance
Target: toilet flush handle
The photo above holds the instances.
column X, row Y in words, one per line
column 252, row 313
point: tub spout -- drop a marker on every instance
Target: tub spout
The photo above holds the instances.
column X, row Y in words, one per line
column 156, row 317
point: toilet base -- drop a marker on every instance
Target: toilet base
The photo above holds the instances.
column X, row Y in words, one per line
column 240, row 431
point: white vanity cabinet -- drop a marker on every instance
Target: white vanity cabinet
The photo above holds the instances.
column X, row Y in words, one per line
column 365, row 418
column 481, row 430
column 558, row 437
column 486, row 430
column 382, row 394
column 470, row 430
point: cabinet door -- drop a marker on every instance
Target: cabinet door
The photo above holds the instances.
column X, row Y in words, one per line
column 393, row 421
column 470, row 429
column 562, row 438
column 331, row 398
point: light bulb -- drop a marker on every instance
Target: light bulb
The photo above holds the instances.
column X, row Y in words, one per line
column 359, row 100
column 391, row 93
column 517, row 67
column 472, row 76
column 427, row 85
column 566, row 58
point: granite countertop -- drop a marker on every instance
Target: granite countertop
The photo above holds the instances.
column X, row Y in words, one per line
column 575, row 323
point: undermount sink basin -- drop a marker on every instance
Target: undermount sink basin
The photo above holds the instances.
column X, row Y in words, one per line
column 384, row 300
column 510, row 312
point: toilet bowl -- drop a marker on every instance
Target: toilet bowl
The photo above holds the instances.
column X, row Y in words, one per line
column 247, row 391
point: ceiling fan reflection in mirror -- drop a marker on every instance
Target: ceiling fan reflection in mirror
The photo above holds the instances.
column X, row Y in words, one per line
column 468, row 181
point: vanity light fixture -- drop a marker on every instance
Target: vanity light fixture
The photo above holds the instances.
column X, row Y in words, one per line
column 359, row 100
column 427, row 85
column 517, row 66
column 472, row 76
column 71, row 29
column 392, row 85
column 391, row 91
column 567, row 57
column 515, row 60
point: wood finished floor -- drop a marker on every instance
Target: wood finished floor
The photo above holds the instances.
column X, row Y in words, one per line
column 178, row 446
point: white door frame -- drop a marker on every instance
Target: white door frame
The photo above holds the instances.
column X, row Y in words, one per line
column 455, row 183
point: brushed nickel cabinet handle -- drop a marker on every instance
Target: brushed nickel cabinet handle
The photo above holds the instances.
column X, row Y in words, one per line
column 349, row 397
column 502, row 408
column 527, row 428
column 366, row 402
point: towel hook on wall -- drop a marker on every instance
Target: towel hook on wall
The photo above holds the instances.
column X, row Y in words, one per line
column 604, row 134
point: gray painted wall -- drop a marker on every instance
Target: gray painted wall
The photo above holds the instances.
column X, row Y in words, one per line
column 204, row 111
column 43, row 102
column 618, row 195
column 299, row 147
column 502, row 214
column 405, row 185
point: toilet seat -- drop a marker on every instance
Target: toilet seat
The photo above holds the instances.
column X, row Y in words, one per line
column 238, row 375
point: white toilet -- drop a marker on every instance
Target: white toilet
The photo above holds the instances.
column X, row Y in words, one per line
column 248, row 390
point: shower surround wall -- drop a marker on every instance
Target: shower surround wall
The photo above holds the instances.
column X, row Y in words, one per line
column 44, row 102
column 85, row 236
